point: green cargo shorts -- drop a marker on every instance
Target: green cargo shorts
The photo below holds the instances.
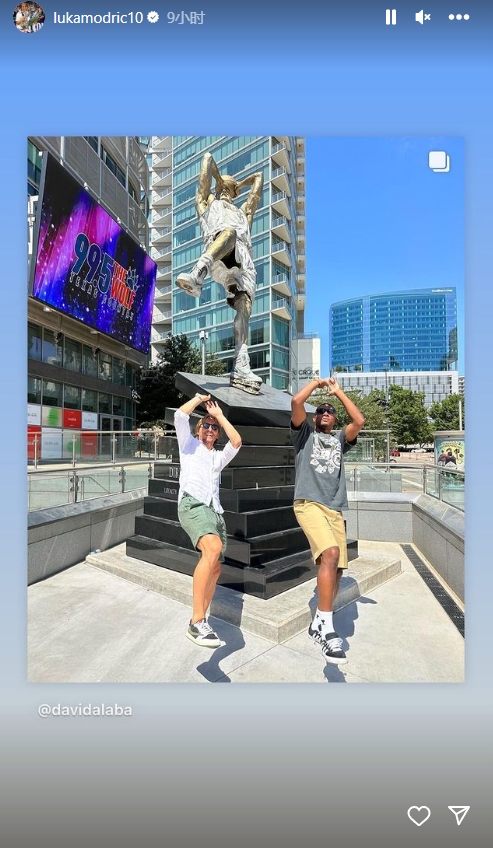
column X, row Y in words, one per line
column 197, row 520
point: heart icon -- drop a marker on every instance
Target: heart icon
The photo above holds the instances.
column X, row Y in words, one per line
column 419, row 815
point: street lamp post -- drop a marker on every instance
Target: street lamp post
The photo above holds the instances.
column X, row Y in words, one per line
column 203, row 336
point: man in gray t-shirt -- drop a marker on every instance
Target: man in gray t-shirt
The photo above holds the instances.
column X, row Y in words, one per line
column 319, row 497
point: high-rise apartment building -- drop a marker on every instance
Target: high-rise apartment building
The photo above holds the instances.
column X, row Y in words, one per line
column 78, row 377
column 278, row 239
column 413, row 330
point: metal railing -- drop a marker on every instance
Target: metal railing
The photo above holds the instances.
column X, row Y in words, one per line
column 70, row 447
column 54, row 488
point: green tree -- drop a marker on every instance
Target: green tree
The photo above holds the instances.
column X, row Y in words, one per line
column 156, row 385
column 408, row 416
column 445, row 413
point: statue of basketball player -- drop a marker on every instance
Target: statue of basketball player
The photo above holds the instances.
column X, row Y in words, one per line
column 228, row 256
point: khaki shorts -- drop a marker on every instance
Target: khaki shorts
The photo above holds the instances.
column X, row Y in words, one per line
column 323, row 527
column 198, row 520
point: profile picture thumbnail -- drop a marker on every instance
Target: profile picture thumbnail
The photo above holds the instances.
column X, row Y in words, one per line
column 29, row 17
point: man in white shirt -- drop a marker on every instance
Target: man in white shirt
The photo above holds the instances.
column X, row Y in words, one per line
column 199, row 509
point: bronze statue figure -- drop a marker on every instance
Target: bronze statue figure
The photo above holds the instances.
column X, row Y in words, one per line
column 226, row 230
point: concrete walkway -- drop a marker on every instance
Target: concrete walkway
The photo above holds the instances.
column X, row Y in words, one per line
column 89, row 625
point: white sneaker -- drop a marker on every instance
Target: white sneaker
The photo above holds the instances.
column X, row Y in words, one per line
column 202, row 634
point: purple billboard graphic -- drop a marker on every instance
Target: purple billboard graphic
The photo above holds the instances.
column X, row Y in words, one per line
column 87, row 266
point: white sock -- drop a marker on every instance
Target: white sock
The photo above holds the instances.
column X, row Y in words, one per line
column 323, row 622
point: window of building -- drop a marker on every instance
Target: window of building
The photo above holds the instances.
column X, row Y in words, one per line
column 34, row 160
column 72, row 358
column 89, row 361
column 280, row 333
column 92, row 140
column 33, row 390
column 129, row 375
column 118, row 371
column 104, row 366
column 112, row 165
column 89, row 401
column 105, row 403
column 52, row 393
column 33, row 341
column 118, row 405
column 52, row 348
column 71, row 397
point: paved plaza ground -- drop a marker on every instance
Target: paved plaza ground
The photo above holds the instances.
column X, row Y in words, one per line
column 89, row 625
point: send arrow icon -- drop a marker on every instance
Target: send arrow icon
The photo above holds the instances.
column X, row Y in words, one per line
column 460, row 813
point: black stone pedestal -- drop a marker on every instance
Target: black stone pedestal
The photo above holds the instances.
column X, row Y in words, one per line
column 267, row 551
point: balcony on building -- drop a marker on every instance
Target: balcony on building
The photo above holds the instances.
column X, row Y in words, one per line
column 161, row 316
column 160, row 254
column 163, row 272
column 300, row 299
column 280, row 202
column 161, row 142
column 281, row 307
column 161, row 196
column 161, row 178
column 280, row 154
column 300, row 280
column 280, row 179
column 281, row 283
column 281, row 251
column 300, row 200
column 161, row 335
column 163, row 292
column 280, row 227
column 161, row 235
column 162, row 158
column 161, row 216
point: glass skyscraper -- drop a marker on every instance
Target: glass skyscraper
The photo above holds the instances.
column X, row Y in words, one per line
column 414, row 330
column 278, row 239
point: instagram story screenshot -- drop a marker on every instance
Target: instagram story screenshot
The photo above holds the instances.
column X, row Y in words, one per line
column 242, row 378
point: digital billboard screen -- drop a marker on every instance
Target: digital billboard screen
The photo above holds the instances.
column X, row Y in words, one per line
column 86, row 265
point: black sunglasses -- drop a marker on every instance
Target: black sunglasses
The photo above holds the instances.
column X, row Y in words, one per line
column 321, row 409
column 214, row 427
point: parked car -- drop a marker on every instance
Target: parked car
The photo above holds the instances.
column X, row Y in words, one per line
column 395, row 453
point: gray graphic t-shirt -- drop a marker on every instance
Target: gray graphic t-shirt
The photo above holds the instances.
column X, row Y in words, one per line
column 319, row 466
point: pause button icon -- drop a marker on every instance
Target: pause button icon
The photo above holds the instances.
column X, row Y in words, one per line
column 390, row 17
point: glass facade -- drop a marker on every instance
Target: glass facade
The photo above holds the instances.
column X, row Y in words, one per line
column 278, row 257
column 413, row 330
column 72, row 369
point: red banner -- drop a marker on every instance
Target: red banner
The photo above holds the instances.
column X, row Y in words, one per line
column 72, row 418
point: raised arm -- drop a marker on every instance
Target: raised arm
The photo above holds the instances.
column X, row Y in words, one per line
column 208, row 171
column 357, row 418
column 192, row 404
column 215, row 410
column 298, row 411
column 254, row 195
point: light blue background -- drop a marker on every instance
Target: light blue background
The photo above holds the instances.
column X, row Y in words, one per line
column 293, row 71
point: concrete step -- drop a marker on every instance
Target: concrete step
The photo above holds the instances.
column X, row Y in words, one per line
column 276, row 619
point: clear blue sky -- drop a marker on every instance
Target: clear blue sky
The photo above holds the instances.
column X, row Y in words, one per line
column 378, row 219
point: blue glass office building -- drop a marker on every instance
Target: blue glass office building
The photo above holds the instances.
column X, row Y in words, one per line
column 278, row 238
column 414, row 330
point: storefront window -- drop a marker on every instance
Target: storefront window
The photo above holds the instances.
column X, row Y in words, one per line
column 52, row 393
column 71, row 397
column 89, row 401
column 105, row 403
column 118, row 405
column 33, row 390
